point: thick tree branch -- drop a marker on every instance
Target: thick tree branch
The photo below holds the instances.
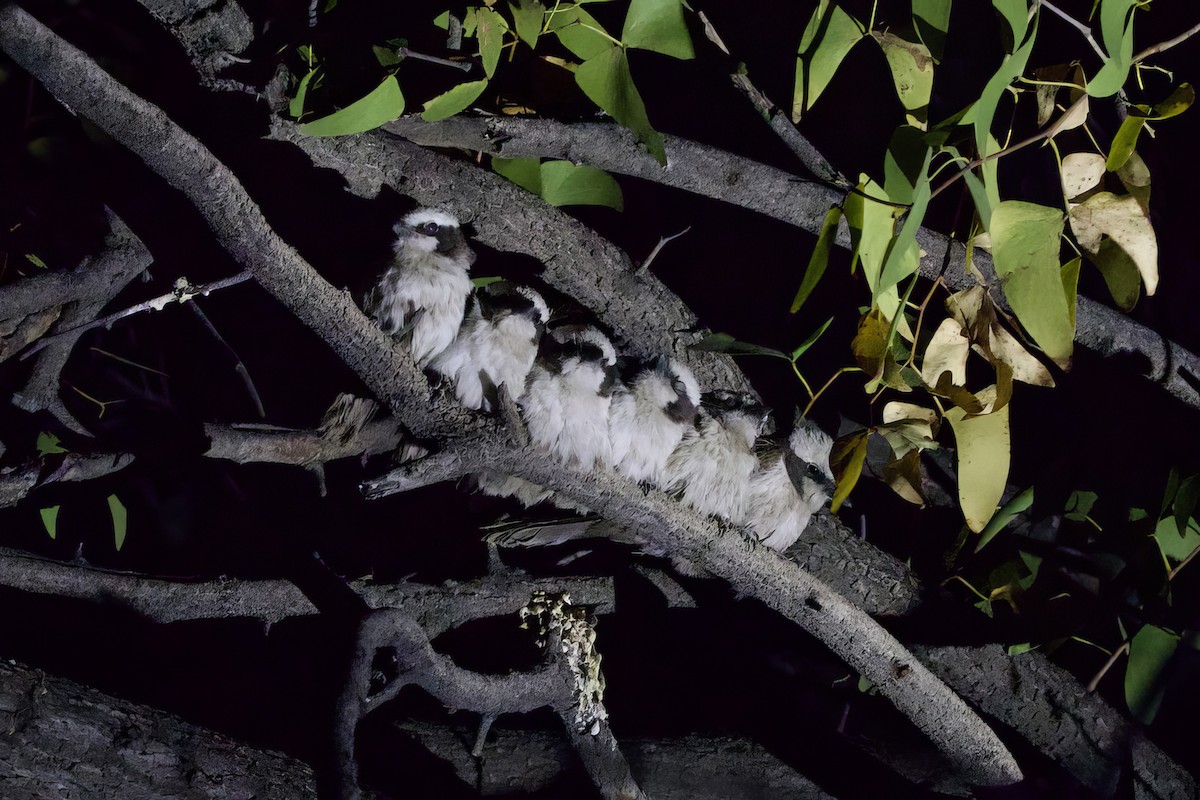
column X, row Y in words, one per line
column 733, row 179
column 238, row 224
column 1050, row 708
column 436, row 608
column 646, row 316
column 61, row 739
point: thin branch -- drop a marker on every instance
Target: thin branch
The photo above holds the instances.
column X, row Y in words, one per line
column 658, row 247
column 182, row 293
column 239, row 366
column 798, row 143
column 1077, row 25
column 1168, row 44
column 445, row 62
column 300, row 448
column 19, row 482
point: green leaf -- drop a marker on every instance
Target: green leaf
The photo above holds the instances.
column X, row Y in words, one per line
column 1021, row 502
column 567, row 184
column 1178, row 102
column 296, row 105
column 912, row 74
column 579, row 32
column 1174, row 543
column 605, row 79
column 657, row 25
column 442, row 20
column 479, row 283
column 983, row 459
column 524, row 172
column 528, row 15
column 386, row 56
column 1079, row 505
column 1120, row 274
column 829, row 36
column 819, row 259
column 871, row 227
column 1025, row 248
column 1186, row 500
column 1149, row 653
column 811, row 340
column 50, row 520
column 1126, row 139
column 1116, row 29
column 904, row 258
column 1173, row 480
column 724, row 343
column 491, row 38
column 1018, row 649
column 1016, row 14
column 931, row 19
column 37, row 262
column 119, row 515
column 453, row 101
column 48, row 443
column 383, row 104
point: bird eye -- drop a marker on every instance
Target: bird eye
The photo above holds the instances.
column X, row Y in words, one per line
column 430, row 228
column 814, row 471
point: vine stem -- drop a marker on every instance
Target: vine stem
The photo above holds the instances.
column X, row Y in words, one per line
column 1168, row 44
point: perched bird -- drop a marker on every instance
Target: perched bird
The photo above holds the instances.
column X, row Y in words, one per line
column 566, row 409
column 496, row 345
column 792, row 482
column 649, row 416
column 711, row 467
column 567, row 400
column 424, row 291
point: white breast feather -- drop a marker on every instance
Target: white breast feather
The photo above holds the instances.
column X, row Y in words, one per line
column 775, row 511
column 431, row 282
column 642, row 435
column 712, row 467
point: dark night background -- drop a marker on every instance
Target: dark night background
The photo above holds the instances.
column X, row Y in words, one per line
column 1102, row 429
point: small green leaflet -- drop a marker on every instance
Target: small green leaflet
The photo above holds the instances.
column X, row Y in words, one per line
column 829, row 36
column 811, row 340
column 579, row 32
column 605, row 79
column 1186, row 500
column 1019, row 503
column 50, row 520
column 984, row 454
column 453, row 101
column 528, row 16
column 383, row 104
column 561, row 183
column 48, row 443
column 117, row 509
column 657, row 25
column 931, row 19
column 819, row 259
column 491, row 38
column 1116, row 29
column 1126, row 139
column 1173, row 543
column 1149, row 653
column 37, row 262
column 724, row 343
column 912, row 74
column 479, row 283
column 296, row 106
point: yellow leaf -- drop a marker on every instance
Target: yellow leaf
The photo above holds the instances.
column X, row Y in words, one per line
column 947, row 350
column 983, row 460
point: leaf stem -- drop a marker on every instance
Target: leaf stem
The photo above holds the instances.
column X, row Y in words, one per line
column 828, row 383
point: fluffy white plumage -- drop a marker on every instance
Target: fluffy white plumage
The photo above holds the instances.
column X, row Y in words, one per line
column 790, row 486
column 712, row 466
column 567, row 400
column 496, row 345
column 426, row 287
column 649, row 417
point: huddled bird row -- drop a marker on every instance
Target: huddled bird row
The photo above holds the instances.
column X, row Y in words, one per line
column 648, row 421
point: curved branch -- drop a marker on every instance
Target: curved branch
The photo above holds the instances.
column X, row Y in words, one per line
column 734, row 179
column 124, row 259
column 17, row 483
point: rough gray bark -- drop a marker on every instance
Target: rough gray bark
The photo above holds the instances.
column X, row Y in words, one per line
column 17, row 483
column 1050, row 708
column 690, row 768
column 60, row 739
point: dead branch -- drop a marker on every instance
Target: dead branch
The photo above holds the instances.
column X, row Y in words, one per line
column 301, row 448
column 17, row 483
column 125, row 258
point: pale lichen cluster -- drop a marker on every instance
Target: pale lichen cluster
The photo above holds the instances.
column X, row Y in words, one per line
column 555, row 619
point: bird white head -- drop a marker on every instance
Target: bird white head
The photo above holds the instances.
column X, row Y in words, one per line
column 428, row 229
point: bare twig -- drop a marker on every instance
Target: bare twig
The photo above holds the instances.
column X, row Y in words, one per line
column 19, row 482
column 445, row 62
column 1077, row 25
column 181, row 294
column 654, row 253
column 1168, row 44
column 244, row 373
